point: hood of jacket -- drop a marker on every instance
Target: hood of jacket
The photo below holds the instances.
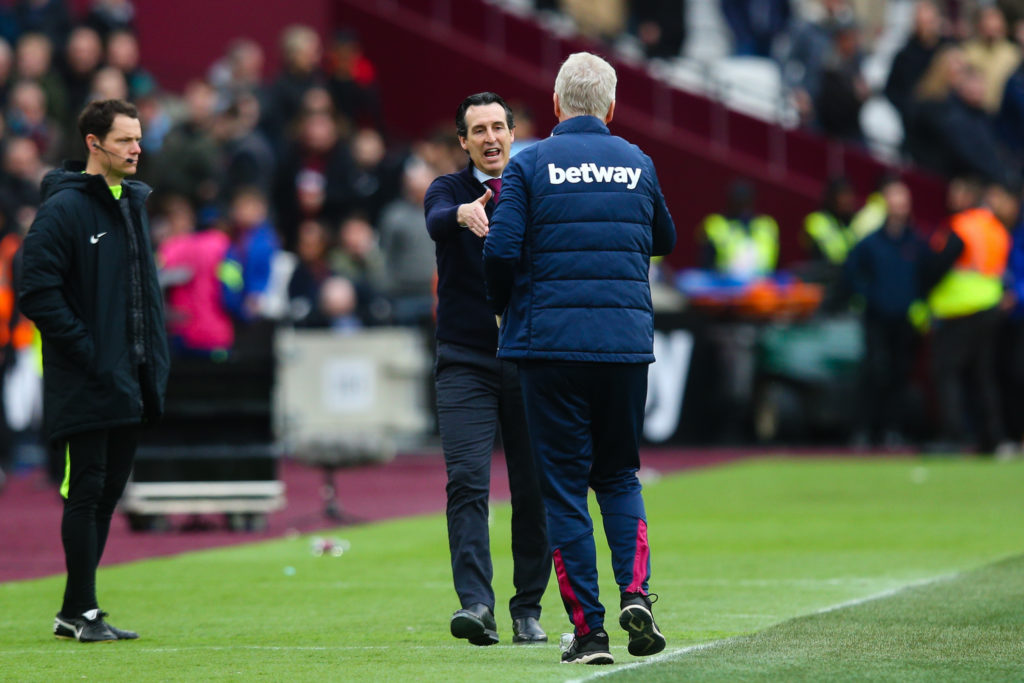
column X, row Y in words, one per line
column 72, row 175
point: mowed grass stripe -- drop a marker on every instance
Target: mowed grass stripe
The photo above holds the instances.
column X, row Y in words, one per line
column 966, row 628
column 736, row 549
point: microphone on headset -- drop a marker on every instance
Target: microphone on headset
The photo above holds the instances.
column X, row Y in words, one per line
column 130, row 160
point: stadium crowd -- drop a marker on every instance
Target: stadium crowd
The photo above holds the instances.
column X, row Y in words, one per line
column 285, row 198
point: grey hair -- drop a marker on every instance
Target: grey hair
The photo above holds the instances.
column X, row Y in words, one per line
column 585, row 85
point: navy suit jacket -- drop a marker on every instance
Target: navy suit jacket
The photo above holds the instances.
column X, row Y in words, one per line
column 463, row 315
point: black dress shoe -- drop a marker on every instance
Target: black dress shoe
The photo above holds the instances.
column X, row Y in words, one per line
column 528, row 630
column 476, row 624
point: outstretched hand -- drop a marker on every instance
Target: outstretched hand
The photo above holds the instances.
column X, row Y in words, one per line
column 473, row 215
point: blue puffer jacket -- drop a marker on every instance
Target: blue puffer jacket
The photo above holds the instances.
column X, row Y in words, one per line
column 567, row 256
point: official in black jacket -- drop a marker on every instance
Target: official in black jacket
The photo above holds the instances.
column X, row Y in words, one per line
column 89, row 284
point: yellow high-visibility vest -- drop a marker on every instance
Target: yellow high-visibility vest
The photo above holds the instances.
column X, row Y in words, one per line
column 732, row 241
column 832, row 238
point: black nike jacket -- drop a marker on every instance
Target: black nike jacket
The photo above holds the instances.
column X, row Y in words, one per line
column 89, row 284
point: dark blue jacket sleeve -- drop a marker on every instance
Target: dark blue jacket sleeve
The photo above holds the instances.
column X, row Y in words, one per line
column 46, row 256
column 441, row 209
column 663, row 229
column 504, row 244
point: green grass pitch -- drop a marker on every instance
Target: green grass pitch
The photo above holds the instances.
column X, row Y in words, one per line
column 769, row 569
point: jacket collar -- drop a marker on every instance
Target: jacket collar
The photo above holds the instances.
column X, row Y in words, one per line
column 72, row 172
column 581, row 124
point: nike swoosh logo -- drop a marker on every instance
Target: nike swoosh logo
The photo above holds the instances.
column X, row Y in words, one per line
column 96, row 238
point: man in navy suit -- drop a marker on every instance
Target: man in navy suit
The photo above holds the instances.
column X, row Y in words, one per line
column 566, row 262
column 478, row 394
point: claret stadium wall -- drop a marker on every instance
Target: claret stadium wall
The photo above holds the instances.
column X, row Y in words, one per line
column 429, row 54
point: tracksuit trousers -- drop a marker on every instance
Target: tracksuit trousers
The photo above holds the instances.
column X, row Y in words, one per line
column 98, row 465
column 477, row 395
column 585, row 424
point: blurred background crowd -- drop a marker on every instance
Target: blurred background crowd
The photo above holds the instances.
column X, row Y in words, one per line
column 283, row 196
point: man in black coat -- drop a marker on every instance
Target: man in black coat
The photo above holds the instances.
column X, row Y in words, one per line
column 478, row 394
column 89, row 284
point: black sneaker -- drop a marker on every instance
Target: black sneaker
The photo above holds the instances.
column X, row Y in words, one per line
column 89, row 627
column 120, row 633
column 476, row 624
column 638, row 620
column 589, row 649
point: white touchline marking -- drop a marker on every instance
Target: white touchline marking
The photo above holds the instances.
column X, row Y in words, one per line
column 674, row 654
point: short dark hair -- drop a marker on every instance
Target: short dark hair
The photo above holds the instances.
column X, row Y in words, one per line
column 477, row 100
column 98, row 116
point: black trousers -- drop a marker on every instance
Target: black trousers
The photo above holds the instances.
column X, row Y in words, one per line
column 963, row 349
column 885, row 374
column 478, row 395
column 98, row 466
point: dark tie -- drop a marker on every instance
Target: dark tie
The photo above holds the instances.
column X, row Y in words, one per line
column 495, row 185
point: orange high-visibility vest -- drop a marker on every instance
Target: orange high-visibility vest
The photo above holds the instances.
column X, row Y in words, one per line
column 975, row 283
column 21, row 336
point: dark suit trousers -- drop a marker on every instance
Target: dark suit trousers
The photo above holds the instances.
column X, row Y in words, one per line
column 477, row 395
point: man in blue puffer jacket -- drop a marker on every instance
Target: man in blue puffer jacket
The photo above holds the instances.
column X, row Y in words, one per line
column 566, row 262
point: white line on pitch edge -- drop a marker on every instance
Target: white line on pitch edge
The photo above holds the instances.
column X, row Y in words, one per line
column 674, row 654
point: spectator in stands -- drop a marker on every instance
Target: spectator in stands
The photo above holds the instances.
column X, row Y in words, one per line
column 19, row 185
column 352, row 81
column 376, row 178
column 967, row 269
column 156, row 120
column 33, row 61
column 27, row 117
column 842, row 90
column 249, row 260
column 809, row 44
column 950, row 132
column 307, row 304
column 913, row 59
column 408, row 249
column 872, row 16
column 884, row 270
column 740, row 242
column 603, row 20
column 190, row 268
column 247, row 158
column 83, row 56
column 109, row 83
column 992, row 55
column 123, row 54
column 755, row 24
column 440, row 150
column 314, row 176
column 301, row 53
column 357, row 256
column 6, row 71
column 111, row 15
column 660, row 25
column 1009, row 121
column 239, row 71
column 189, row 160
column 525, row 127
column 48, row 17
